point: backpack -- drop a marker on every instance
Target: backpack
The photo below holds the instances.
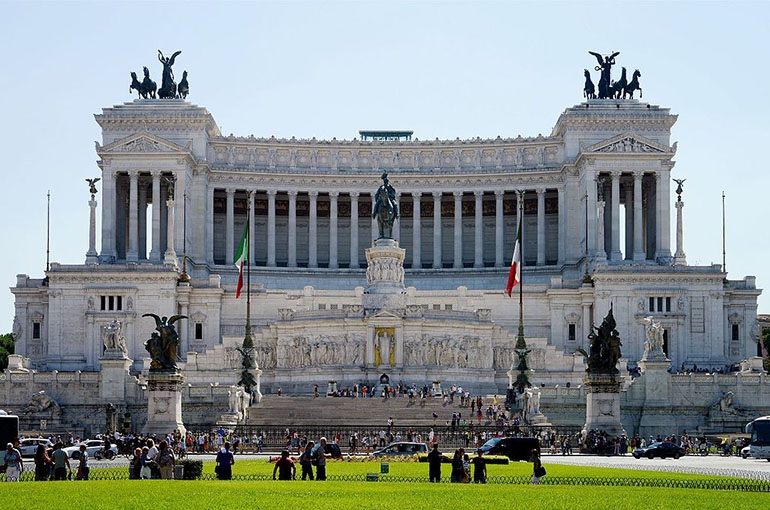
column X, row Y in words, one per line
column 166, row 458
column 540, row 472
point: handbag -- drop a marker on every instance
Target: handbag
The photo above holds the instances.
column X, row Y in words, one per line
column 540, row 472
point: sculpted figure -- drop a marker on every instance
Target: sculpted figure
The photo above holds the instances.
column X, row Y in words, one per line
column 385, row 208
column 168, row 86
column 41, row 402
column 605, row 66
column 163, row 344
column 112, row 337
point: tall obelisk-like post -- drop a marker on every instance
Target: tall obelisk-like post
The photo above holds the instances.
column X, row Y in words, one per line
column 679, row 256
column 170, row 258
column 91, row 256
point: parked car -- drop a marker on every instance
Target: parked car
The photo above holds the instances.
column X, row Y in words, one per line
column 92, row 446
column 659, row 449
column 746, row 452
column 28, row 447
column 515, row 448
column 402, row 448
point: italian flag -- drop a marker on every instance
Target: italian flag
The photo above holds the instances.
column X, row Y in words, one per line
column 514, row 277
column 242, row 257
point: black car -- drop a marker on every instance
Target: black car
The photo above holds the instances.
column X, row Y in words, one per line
column 515, row 448
column 660, row 449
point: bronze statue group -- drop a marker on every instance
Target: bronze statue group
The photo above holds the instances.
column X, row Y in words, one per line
column 169, row 89
column 609, row 89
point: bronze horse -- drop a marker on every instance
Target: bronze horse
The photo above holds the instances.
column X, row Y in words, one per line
column 633, row 85
column 589, row 91
column 385, row 208
column 618, row 87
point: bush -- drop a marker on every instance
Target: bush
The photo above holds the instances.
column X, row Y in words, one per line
column 192, row 469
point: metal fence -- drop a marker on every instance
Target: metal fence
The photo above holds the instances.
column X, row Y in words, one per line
column 710, row 483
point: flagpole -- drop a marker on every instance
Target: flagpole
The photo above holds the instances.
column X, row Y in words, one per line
column 248, row 271
column 522, row 380
column 724, row 251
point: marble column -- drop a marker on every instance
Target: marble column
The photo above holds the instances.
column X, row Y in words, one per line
column 292, row 229
column 271, row 193
column 615, row 254
column 133, row 217
column 142, row 222
column 333, row 212
column 664, row 211
column 313, row 230
column 437, row 262
column 229, row 227
column 169, row 257
column 354, row 230
column 108, row 252
column 639, row 254
column 562, row 225
column 499, row 228
column 679, row 257
column 458, row 230
column 252, row 241
column 91, row 256
column 601, row 253
column 478, row 230
column 209, row 222
column 397, row 222
column 540, row 226
column 416, row 231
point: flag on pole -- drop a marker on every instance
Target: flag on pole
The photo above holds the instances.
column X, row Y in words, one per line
column 514, row 277
column 241, row 257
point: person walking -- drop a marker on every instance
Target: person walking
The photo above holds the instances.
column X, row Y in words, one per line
column 166, row 461
column 319, row 456
column 83, row 468
column 225, row 461
column 61, row 463
column 14, row 464
column 479, row 468
column 306, row 461
column 285, row 467
column 434, row 464
column 538, row 471
column 43, row 464
column 458, row 470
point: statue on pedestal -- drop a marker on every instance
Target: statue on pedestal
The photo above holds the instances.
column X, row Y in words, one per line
column 112, row 337
column 385, row 208
column 163, row 344
column 604, row 348
column 653, row 345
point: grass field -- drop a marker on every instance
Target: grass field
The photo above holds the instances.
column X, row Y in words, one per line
column 370, row 495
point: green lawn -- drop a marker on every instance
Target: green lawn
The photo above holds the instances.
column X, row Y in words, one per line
column 339, row 495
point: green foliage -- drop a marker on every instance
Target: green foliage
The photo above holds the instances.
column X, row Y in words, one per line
column 192, row 468
column 6, row 348
column 766, row 344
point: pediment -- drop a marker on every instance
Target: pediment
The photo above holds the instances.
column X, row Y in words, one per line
column 143, row 143
column 629, row 143
column 386, row 314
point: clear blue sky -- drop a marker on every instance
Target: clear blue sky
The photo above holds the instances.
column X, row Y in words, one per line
column 327, row 69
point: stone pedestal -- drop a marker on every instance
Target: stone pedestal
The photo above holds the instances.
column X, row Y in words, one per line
column 384, row 276
column 603, row 404
column 164, row 403
column 657, row 417
column 114, row 374
column 679, row 257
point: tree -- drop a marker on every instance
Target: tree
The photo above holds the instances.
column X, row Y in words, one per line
column 6, row 348
column 766, row 350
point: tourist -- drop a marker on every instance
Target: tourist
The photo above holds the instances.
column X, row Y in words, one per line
column 319, row 456
column 538, row 471
column 83, row 468
column 306, row 461
column 225, row 461
column 61, row 463
column 14, row 464
column 285, row 467
column 434, row 464
column 479, row 468
column 42, row 464
column 135, row 469
column 146, row 462
column 458, row 470
column 166, row 461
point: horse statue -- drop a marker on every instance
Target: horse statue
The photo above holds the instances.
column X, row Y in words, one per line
column 617, row 88
column 136, row 85
column 589, row 91
column 633, row 85
column 183, row 88
column 148, row 85
column 385, row 208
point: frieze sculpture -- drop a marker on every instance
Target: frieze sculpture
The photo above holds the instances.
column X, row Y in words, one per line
column 604, row 348
column 163, row 343
column 385, row 208
column 146, row 89
column 607, row 88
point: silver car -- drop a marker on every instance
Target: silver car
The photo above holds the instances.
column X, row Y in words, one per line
column 28, row 447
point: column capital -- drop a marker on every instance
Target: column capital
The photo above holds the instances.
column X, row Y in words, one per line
column 437, row 195
column 355, row 194
column 616, row 173
column 458, row 195
column 230, row 191
column 133, row 173
column 155, row 173
column 638, row 174
column 540, row 191
column 478, row 193
column 271, row 193
column 292, row 194
column 416, row 195
column 334, row 194
column 499, row 193
column 313, row 194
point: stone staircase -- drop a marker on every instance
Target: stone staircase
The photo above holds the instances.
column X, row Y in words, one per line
column 295, row 411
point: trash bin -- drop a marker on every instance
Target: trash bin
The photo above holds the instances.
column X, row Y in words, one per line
column 178, row 472
column 384, row 468
column 372, row 477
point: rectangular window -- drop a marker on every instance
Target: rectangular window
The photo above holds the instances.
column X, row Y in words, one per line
column 652, row 304
column 572, row 333
column 332, row 307
column 118, row 302
column 437, row 307
column 35, row 330
column 198, row 331
column 103, row 299
column 665, row 342
column 447, row 307
column 668, row 304
column 660, row 304
column 735, row 332
column 321, row 306
column 111, row 303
